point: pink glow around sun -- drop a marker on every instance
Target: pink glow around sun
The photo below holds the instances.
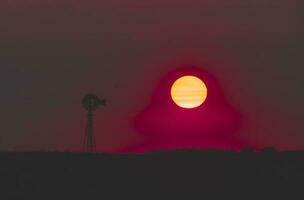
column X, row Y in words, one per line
column 212, row 123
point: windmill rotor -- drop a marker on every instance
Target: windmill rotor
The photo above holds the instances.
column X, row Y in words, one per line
column 91, row 102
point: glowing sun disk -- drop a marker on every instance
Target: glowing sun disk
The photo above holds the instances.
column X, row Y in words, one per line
column 189, row 92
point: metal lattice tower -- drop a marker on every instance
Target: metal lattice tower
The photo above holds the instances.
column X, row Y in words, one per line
column 90, row 102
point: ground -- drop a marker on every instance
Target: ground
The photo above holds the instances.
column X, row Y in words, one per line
column 156, row 175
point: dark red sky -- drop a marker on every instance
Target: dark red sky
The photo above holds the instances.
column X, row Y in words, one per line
column 52, row 52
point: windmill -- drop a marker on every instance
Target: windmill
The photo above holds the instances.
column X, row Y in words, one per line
column 90, row 102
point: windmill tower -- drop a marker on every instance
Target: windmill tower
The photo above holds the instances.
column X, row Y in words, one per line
column 90, row 102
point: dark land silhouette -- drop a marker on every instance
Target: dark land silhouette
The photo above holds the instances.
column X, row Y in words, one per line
column 187, row 174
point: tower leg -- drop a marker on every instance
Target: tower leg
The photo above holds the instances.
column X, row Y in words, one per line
column 89, row 144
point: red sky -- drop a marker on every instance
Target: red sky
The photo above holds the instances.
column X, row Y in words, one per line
column 53, row 52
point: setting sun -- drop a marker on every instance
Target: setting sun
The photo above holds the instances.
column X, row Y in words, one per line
column 189, row 92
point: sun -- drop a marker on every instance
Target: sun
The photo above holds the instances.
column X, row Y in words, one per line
column 189, row 92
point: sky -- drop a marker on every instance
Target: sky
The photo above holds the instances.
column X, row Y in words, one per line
column 53, row 52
